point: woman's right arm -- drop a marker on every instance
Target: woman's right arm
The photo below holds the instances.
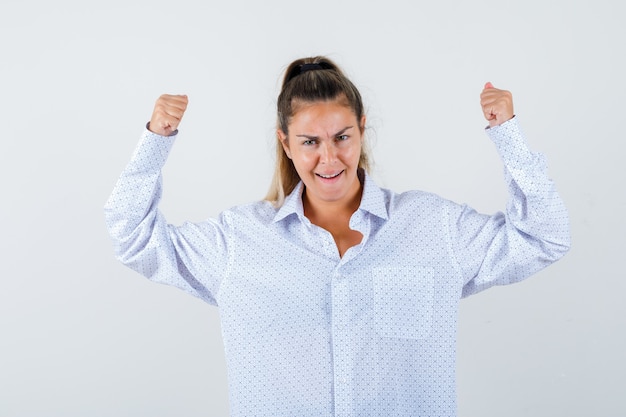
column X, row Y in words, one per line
column 192, row 257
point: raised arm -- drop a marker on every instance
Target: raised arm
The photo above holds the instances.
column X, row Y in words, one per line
column 532, row 232
column 192, row 257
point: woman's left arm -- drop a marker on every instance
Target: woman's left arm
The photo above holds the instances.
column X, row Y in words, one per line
column 532, row 233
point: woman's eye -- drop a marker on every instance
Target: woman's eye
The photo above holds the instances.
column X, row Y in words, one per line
column 309, row 142
column 342, row 137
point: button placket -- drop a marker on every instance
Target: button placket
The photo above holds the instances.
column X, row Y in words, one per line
column 341, row 348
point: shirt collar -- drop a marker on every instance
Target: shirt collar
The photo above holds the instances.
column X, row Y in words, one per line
column 372, row 201
column 292, row 204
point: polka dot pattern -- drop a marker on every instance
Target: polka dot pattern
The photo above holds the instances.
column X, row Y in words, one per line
column 309, row 333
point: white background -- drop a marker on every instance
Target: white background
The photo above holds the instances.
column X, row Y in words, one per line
column 81, row 335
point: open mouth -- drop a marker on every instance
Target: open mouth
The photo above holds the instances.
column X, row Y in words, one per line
column 330, row 176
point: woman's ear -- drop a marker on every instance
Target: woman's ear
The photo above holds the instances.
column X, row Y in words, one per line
column 284, row 141
column 362, row 124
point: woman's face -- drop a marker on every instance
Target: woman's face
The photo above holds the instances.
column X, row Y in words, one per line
column 324, row 143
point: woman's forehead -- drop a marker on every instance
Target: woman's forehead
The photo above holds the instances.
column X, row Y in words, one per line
column 321, row 118
column 298, row 105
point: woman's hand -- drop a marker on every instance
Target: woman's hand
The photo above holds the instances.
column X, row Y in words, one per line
column 167, row 114
column 497, row 105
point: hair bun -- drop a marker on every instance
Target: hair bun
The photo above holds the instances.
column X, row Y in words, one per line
column 310, row 67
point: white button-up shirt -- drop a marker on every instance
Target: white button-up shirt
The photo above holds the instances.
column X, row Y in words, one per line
column 309, row 333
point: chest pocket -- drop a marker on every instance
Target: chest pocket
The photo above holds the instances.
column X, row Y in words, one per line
column 404, row 302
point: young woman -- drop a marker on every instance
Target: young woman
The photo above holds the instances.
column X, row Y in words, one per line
column 337, row 297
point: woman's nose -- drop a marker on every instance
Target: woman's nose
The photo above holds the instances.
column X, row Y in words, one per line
column 328, row 153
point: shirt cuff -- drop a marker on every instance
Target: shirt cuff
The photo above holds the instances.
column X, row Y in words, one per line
column 174, row 133
column 512, row 146
column 152, row 150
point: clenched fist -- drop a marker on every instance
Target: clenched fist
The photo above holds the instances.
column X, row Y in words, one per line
column 497, row 105
column 167, row 114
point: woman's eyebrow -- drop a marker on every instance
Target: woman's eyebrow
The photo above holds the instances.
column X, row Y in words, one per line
column 311, row 137
column 342, row 131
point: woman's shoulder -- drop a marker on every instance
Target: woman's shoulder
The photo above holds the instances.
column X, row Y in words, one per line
column 261, row 211
column 408, row 202
column 418, row 205
column 415, row 197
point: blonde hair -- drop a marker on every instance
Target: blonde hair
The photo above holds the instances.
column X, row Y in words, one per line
column 308, row 80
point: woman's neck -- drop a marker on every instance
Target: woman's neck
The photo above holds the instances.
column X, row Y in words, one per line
column 332, row 212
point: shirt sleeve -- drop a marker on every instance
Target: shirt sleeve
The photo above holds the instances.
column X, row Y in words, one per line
column 192, row 257
column 532, row 233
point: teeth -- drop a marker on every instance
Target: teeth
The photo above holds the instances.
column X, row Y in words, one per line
column 329, row 176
